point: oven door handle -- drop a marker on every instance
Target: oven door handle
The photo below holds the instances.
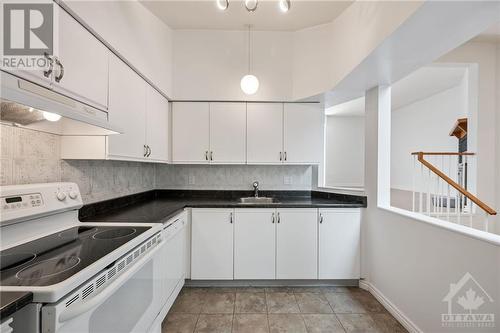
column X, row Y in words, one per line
column 79, row 309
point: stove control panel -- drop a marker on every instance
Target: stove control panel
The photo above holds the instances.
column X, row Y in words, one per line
column 22, row 202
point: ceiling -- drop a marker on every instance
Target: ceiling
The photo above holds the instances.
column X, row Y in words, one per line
column 419, row 85
column 205, row 14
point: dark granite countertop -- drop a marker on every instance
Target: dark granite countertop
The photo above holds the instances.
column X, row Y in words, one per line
column 11, row 301
column 159, row 205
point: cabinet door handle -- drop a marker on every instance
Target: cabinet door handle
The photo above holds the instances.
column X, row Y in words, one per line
column 149, row 151
column 279, row 218
column 320, row 218
column 230, row 217
column 281, row 156
column 285, row 156
column 272, row 218
column 61, row 73
column 211, row 156
column 51, row 65
column 145, row 151
column 206, row 155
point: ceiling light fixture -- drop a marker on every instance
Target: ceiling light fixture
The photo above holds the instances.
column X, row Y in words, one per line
column 251, row 5
column 249, row 83
column 222, row 4
column 51, row 116
column 284, row 5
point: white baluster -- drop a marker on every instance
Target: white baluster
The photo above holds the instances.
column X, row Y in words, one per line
column 420, row 199
column 486, row 220
column 413, row 183
column 429, row 179
column 448, row 203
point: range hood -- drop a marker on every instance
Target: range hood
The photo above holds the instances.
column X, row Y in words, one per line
column 28, row 105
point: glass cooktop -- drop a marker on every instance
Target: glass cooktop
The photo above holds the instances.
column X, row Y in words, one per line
column 54, row 258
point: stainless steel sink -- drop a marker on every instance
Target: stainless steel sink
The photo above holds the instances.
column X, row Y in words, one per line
column 257, row 200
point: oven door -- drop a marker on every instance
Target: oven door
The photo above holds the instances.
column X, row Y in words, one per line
column 128, row 304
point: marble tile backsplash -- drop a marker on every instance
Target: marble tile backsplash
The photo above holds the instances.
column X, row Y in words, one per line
column 28, row 156
column 33, row 157
column 234, row 177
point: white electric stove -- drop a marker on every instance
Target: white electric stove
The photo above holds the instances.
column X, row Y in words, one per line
column 85, row 277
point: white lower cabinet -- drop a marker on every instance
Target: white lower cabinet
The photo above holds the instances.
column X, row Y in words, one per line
column 339, row 243
column 297, row 244
column 254, row 244
column 212, row 244
column 268, row 243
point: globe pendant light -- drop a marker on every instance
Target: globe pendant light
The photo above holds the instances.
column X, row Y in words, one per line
column 249, row 83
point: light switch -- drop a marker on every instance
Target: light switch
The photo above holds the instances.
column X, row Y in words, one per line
column 192, row 180
column 287, row 180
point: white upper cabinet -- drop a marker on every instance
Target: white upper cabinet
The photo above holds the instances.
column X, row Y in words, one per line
column 212, row 244
column 190, row 132
column 264, row 133
column 81, row 68
column 339, row 243
column 303, row 133
column 227, row 133
column 254, row 244
column 127, row 110
column 297, row 244
column 157, row 120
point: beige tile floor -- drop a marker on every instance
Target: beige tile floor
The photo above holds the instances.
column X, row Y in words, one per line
column 277, row 310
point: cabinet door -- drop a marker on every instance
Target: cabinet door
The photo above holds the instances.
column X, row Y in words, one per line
column 264, row 133
column 127, row 110
column 212, row 244
column 303, row 133
column 85, row 61
column 157, row 125
column 190, row 132
column 297, row 244
column 339, row 243
column 254, row 244
column 227, row 132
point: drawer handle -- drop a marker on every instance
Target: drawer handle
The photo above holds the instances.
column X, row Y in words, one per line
column 272, row 218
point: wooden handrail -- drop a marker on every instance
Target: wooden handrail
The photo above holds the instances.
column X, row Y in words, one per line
column 455, row 185
column 443, row 153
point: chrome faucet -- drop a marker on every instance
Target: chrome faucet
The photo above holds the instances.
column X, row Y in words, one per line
column 256, row 189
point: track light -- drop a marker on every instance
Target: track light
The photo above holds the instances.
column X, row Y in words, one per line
column 251, row 5
column 222, row 4
column 284, row 5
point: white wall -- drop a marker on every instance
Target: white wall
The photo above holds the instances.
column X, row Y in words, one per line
column 325, row 54
column 497, row 166
column 484, row 120
column 345, row 151
column 209, row 64
column 412, row 263
column 424, row 126
column 135, row 33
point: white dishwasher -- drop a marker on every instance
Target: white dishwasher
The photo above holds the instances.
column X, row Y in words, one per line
column 173, row 257
column 174, row 252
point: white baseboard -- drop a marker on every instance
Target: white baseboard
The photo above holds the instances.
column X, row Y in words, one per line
column 393, row 310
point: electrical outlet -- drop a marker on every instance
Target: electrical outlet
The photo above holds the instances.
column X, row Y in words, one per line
column 287, row 180
column 192, row 180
